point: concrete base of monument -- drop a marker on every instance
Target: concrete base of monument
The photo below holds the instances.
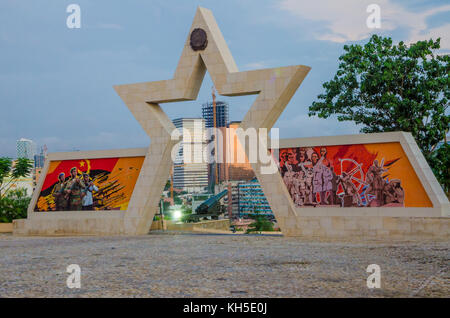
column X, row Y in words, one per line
column 309, row 227
column 369, row 227
column 6, row 227
column 55, row 226
column 222, row 225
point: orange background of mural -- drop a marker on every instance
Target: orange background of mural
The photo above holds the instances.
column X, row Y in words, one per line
column 122, row 173
column 415, row 195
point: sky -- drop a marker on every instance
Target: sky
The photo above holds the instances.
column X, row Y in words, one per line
column 56, row 83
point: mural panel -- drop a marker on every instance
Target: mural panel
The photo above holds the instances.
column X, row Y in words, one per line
column 89, row 184
column 363, row 175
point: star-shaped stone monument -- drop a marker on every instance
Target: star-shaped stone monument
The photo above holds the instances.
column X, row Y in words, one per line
column 205, row 49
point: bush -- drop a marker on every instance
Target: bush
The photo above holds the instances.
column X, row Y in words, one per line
column 14, row 205
column 186, row 215
column 261, row 224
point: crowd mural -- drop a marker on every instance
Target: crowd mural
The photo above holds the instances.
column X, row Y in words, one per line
column 89, row 184
column 345, row 176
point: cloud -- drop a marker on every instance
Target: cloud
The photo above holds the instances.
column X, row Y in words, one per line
column 345, row 20
column 99, row 141
column 304, row 126
column 255, row 65
column 442, row 32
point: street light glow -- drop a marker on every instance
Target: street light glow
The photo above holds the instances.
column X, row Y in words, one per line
column 177, row 214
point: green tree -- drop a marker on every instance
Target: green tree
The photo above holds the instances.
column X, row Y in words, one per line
column 13, row 205
column 167, row 186
column 261, row 223
column 21, row 168
column 187, row 211
column 386, row 87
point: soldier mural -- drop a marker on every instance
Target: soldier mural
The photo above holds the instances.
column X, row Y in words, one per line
column 345, row 176
column 91, row 184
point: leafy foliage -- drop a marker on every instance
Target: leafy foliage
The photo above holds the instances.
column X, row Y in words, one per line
column 386, row 87
column 13, row 205
column 5, row 168
column 167, row 186
column 440, row 163
column 21, row 168
column 261, row 223
column 186, row 214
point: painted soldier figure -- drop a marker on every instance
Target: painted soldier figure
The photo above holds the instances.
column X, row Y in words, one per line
column 302, row 187
column 334, row 187
column 74, row 190
column 350, row 191
column 393, row 193
column 399, row 192
column 376, row 183
column 290, row 163
column 284, row 158
column 309, row 185
column 61, row 201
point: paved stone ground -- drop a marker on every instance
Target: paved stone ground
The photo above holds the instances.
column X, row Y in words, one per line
column 164, row 265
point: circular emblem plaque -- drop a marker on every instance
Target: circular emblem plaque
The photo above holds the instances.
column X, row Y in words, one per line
column 199, row 40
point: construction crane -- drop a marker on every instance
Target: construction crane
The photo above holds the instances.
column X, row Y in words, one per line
column 215, row 137
column 227, row 177
column 229, row 197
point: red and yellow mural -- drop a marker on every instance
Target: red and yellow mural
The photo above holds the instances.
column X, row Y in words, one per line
column 365, row 175
column 89, row 184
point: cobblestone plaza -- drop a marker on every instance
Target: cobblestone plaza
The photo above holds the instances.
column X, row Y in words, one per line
column 181, row 265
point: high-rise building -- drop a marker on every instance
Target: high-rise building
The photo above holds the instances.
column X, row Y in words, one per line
column 234, row 197
column 39, row 161
column 190, row 171
column 221, row 121
column 221, row 114
column 252, row 199
column 232, row 155
column 40, row 158
column 26, row 148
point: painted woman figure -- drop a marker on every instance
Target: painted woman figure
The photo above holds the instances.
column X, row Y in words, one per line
column 318, row 177
column 327, row 176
